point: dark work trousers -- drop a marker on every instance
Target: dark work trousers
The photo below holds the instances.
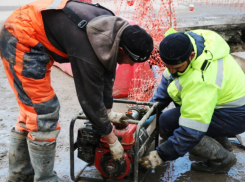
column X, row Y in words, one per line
column 225, row 122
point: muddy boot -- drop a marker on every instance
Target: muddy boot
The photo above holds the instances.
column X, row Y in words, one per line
column 20, row 168
column 218, row 158
column 42, row 158
column 225, row 142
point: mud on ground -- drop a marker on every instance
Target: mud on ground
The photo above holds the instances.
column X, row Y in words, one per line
column 178, row 170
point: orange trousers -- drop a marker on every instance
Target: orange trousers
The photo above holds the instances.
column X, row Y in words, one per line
column 27, row 65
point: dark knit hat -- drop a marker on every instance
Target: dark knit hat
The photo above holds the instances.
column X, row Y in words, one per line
column 137, row 43
column 175, row 48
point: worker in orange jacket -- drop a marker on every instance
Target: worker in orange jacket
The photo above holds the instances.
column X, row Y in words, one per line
column 93, row 40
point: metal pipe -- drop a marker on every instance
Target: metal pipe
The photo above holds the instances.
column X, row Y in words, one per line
column 130, row 121
column 72, row 149
column 81, row 117
column 136, row 145
column 157, row 127
column 133, row 102
column 72, row 146
column 147, row 143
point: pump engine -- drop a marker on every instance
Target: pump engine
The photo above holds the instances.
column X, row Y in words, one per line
column 92, row 148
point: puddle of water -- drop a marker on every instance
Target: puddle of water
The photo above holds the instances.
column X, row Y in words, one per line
column 176, row 168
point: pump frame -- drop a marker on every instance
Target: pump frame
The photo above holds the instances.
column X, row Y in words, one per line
column 138, row 152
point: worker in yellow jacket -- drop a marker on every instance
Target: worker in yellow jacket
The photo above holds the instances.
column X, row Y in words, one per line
column 94, row 41
column 208, row 87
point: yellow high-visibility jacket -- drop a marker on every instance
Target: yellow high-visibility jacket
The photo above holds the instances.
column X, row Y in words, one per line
column 221, row 83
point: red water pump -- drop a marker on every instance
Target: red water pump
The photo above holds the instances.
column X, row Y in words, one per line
column 103, row 159
column 94, row 149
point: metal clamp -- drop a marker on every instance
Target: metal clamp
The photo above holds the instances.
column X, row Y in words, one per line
column 82, row 24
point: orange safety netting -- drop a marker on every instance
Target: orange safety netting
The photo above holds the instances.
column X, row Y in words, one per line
column 155, row 22
column 144, row 82
column 156, row 16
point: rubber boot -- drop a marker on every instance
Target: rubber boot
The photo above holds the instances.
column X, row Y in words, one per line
column 218, row 158
column 20, row 168
column 42, row 159
column 225, row 142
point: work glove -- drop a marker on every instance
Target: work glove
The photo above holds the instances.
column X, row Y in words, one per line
column 118, row 118
column 151, row 161
column 116, row 150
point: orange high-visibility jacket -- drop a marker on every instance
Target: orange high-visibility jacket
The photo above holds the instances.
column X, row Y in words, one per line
column 26, row 52
column 29, row 16
column 39, row 106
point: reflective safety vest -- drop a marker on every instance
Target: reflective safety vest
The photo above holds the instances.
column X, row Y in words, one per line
column 214, row 80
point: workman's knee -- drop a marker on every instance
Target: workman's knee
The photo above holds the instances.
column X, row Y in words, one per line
column 169, row 121
column 163, row 119
column 43, row 137
column 164, row 127
column 48, row 114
